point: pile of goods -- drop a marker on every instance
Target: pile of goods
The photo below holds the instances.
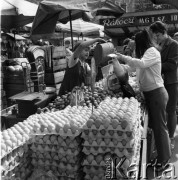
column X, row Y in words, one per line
column 57, row 145
column 96, row 98
column 15, row 158
column 74, row 143
column 113, row 133
column 67, row 122
column 59, row 154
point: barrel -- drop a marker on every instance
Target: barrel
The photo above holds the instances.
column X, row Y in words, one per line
column 101, row 51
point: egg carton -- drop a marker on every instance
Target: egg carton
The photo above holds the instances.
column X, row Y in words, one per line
column 62, row 150
column 119, row 135
column 121, row 144
column 54, row 155
column 94, row 169
column 106, row 143
column 12, row 176
column 102, row 165
column 129, row 127
column 50, row 138
column 51, row 147
column 19, row 152
column 62, row 165
column 94, row 177
column 61, row 132
column 74, row 175
column 63, row 144
column 24, row 172
column 6, row 172
column 9, row 165
column 110, row 132
column 10, row 150
column 119, row 152
column 56, row 158
column 62, row 173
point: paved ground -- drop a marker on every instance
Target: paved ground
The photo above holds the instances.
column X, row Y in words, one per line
column 173, row 171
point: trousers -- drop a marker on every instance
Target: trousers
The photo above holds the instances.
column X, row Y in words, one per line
column 172, row 90
column 156, row 102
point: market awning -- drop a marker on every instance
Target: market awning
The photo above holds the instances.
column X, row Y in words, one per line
column 16, row 13
column 80, row 27
column 131, row 22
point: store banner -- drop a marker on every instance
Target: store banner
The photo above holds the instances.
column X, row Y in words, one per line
column 139, row 20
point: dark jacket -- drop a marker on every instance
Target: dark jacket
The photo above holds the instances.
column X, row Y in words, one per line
column 169, row 58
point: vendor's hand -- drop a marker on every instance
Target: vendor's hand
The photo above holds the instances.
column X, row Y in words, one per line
column 119, row 56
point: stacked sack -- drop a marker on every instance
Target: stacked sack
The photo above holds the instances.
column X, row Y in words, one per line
column 57, row 145
column 15, row 154
column 112, row 134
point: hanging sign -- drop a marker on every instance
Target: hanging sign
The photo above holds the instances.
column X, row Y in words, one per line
column 139, row 20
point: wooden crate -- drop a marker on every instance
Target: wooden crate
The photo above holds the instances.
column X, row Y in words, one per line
column 54, row 78
column 59, row 76
column 58, row 52
column 59, row 64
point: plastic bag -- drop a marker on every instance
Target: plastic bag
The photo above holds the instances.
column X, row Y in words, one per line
column 127, row 90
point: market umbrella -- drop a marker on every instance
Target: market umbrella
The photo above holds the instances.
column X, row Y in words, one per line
column 80, row 27
column 16, row 13
column 51, row 11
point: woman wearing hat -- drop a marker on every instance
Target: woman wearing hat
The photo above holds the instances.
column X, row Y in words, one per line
column 77, row 68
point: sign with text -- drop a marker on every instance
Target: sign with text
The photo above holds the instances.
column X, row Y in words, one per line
column 140, row 20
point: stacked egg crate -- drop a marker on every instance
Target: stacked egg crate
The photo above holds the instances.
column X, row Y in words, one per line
column 57, row 145
column 61, row 155
column 15, row 154
column 113, row 128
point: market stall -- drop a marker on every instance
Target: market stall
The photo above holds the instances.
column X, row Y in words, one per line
column 79, row 139
column 75, row 147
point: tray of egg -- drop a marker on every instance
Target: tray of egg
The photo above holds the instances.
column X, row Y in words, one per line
column 67, row 122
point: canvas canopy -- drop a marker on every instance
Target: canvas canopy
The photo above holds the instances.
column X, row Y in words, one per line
column 51, row 11
column 80, row 27
column 16, row 13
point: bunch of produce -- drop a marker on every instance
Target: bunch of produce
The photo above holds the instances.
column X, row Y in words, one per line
column 90, row 98
column 15, row 66
column 113, row 130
